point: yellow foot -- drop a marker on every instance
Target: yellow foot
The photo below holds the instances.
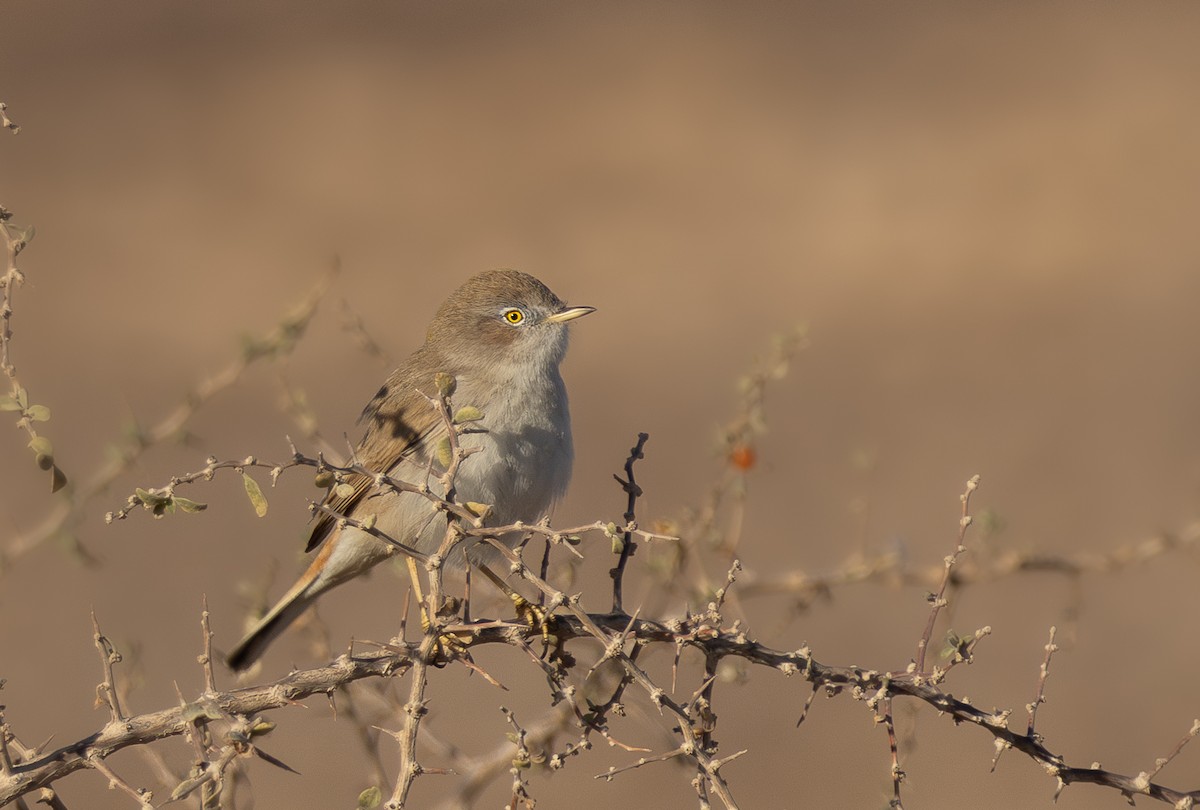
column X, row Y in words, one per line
column 535, row 616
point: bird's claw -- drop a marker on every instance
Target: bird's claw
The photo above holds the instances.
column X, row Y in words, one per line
column 537, row 617
column 449, row 644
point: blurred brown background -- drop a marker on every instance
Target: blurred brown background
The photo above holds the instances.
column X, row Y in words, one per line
column 985, row 213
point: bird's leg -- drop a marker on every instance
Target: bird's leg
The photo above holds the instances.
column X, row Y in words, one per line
column 448, row 642
column 534, row 615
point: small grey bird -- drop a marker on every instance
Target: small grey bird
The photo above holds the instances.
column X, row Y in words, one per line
column 502, row 335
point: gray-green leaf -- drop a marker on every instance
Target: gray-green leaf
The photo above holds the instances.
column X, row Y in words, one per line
column 38, row 413
column 149, row 498
column 255, row 493
column 370, row 798
column 41, row 445
column 468, row 413
column 443, row 453
column 445, row 383
column 190, row 506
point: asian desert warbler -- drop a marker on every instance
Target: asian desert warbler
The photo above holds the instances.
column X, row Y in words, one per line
column 502, row 335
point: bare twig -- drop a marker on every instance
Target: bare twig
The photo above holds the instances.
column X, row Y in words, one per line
column 897, row 772
column 657, row 695
column 15, row 240
column 7, row 122
column 107, row 690
column 279, row 342
column 6, row 763
column 206, row 658
column 1043, row 671
column 633, row 491
column 143, row 797
column 1143, row 779
column 521, row 760
column 938, row 600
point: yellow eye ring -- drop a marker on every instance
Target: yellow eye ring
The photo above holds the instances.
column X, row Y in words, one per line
column 514, row 316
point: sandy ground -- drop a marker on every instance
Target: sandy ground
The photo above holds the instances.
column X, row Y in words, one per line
column 985, row 214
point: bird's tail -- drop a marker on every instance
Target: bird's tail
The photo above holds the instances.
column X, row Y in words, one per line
column 289, row 608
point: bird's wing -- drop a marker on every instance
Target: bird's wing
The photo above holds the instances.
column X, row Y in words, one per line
column 399, row 419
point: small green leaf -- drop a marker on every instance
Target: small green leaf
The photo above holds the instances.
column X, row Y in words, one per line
column 44, row 461
column 618, row 544
column 8, row 403
column 41, row 445
column 478, row 509
column 189, row 506
column 446, row 384
column 187, row 786
column 343, row 490
column 149, row 498
column 323, row 479
column 38, row 413
column 192, row 712
column 442, row 452
column 370, row 798
column 255, row 493
column 468, row 413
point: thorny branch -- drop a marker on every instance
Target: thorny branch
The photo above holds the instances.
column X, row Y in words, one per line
column 277, row 343
column 15, row 240
column 938, row 600
column 42, row 770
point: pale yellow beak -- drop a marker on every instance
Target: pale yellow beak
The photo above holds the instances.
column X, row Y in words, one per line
column 570, row 314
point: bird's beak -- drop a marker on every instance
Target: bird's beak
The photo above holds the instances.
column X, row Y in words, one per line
column 570, row 314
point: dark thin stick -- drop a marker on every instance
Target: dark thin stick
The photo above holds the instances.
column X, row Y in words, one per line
column 703, row 718
column 633, row 491
column 897, row 772
column 544, row 570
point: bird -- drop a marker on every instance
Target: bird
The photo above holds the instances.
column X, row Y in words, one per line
column 502, row 337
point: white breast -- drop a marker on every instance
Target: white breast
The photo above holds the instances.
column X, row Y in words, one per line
column 524, row 465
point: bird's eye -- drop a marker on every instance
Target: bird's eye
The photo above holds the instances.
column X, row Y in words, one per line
column 514, row 316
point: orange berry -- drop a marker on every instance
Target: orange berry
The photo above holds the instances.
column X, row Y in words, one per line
column 742, row 457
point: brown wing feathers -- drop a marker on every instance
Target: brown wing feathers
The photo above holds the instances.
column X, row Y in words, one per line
column 398, row 419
